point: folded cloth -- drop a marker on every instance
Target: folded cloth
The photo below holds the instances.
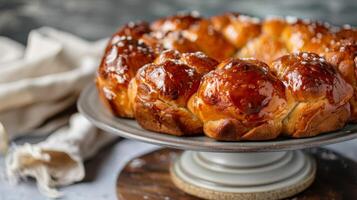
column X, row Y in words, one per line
column 54, row 67
column 36, row 84
column 58, row 160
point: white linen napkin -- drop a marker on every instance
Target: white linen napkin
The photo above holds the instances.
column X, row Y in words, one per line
column 58, row 160
column 54, row 67
column 36, row 83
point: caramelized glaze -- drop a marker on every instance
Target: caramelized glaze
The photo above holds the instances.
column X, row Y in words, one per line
column 310, row 77
column 243, row 84
column 171, row 80
column 124, row 58
column 163, row 89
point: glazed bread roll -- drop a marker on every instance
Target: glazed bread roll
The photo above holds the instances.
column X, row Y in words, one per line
column 275, row 76
column 122, row 58
column 191, row 33
column 320, row 94
column 343, row 56
column 283, row 36
column 161, row 90
column 241, row 100
column 167, row 33
column 337, row 47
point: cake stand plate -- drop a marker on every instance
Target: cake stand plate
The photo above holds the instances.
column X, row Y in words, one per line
column 211, row 169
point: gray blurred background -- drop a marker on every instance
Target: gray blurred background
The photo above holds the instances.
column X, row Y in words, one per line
column 93, row 19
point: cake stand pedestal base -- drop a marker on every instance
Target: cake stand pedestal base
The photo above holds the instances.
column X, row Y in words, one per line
column 272, row 175
column 148, row 177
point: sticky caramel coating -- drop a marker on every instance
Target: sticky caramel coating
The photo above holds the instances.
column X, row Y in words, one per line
column 173, row 82
column 210, row 41
column 321, row 95
column 310, row 78
column 118, row 66
column 240, row 100
column 162, row 92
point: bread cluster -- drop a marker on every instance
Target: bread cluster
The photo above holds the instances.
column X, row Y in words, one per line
column 232, row 77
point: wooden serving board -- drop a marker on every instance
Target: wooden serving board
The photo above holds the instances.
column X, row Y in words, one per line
column 148, row 177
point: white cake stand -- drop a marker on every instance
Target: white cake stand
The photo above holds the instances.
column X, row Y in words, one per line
column 225, row 170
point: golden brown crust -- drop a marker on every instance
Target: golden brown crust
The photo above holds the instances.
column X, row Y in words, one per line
column 342, row 54
column 321, row 95
column 163, row 89
column 310, row 78
column 240, row 100
column 311, row 119
column 119, row 65
column 281, row 36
